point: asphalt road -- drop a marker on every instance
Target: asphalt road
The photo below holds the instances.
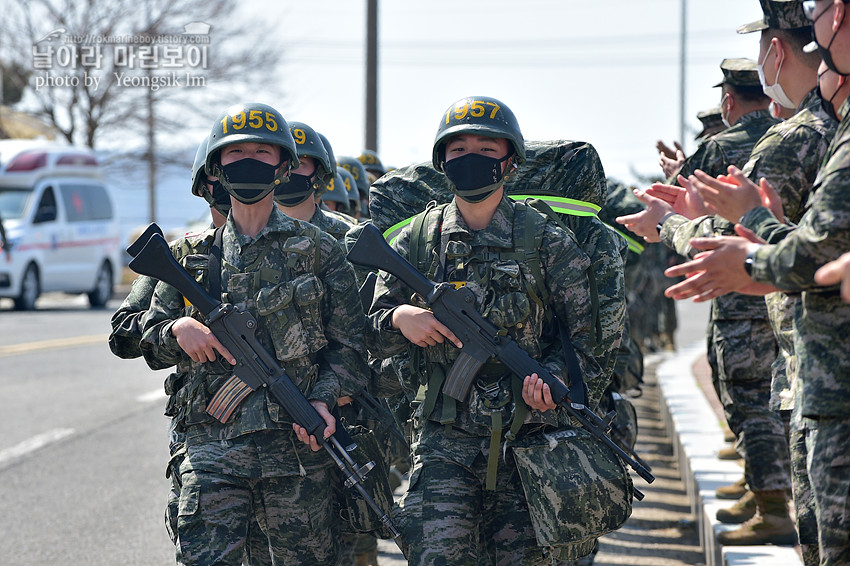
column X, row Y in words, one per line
column 83, row 450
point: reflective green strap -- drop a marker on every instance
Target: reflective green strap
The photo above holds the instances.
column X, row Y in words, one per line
column 562, row 205
column 520, row 408
column 393, row 231
column 634, row 245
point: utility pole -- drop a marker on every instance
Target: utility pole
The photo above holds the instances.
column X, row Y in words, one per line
column 683, row 45
column 372, row 75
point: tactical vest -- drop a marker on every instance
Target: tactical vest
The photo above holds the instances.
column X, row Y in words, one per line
column 509, row 285
column 286, row 300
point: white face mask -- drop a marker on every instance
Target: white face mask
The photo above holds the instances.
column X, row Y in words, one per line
column 775, row 91
column 723, row 117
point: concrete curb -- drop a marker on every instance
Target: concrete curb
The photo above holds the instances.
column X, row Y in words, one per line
column 696, row 436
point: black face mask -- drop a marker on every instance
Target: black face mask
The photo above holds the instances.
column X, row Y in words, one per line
column 475, row 177
column 219, row 197
column 292, row 193
column 827, row 105
column 824, row 51
column 248, row 180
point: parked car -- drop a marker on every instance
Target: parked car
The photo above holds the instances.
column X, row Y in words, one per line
column 61, row 227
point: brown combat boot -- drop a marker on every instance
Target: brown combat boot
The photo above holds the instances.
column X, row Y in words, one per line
column 743, row 510
column 728, row 453
column 728, row 435
column 770, row 525
column 368, row 558
column 732, row 491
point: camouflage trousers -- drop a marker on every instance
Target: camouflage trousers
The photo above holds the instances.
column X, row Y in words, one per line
column 744, row 352
column 295, row 513
column 256, row 545
column 829, row 472
column 447, row 517
column 801, row 488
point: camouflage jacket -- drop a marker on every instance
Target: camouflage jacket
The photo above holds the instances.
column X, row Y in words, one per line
column 327, row 221
column 569, row 176
column 822, row 322
column 294, row 279
column 789, row 156
column 563, row 266
column 729, row 147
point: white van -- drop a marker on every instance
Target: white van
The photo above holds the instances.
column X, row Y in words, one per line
column 61, row 228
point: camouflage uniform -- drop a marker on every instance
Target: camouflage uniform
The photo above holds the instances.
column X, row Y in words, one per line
column 294, row 279
column 445, row 514
column 789, row 156
column 553, row 170
column 741, row 342
column 822, row 325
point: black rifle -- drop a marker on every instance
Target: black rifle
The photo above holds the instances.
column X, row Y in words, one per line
column 255, row 366
column 455, row 308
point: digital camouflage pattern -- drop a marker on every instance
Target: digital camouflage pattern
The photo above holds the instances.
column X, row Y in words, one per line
column 822, row 324
column 779, row 14
column 789, row 156
column 730, row 147
column 738, row 328
column 560, row 169
column 333, row 224
column 591, row 478
column 442, row 513
column 801, row 486
column 124, row 343
column 823, row 321
column 745, row 350
column 829, row 473
column 294, row 279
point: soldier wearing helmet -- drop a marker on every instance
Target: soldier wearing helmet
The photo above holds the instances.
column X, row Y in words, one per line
column 361, row 180
column 354, row 201
column 465, row 502
column 297, row 197
column 372, row 163
column 209, row 188
column 258, row 458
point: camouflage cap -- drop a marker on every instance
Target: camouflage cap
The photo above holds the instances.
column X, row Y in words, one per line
column 739, row 72
column 778, row 14
column 711, row 121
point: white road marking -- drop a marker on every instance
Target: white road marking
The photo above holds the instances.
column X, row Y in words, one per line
column 33, row 444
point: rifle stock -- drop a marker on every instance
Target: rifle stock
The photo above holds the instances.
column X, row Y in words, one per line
column 255, row 366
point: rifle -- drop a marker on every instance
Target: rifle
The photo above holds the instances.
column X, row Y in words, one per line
column 255, row 366
column 455, row 308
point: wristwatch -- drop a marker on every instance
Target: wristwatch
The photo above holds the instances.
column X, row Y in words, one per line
column 748, row 263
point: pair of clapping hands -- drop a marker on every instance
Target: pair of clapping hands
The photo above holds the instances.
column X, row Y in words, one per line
column 719, row 267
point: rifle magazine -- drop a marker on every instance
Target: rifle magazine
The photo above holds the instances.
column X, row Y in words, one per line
column 227, row 398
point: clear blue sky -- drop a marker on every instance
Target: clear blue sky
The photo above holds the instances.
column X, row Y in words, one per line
column 603, row 72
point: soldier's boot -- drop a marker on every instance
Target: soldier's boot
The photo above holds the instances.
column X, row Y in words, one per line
column 728, row 453
column 743, row 510
column 770, row 525
column 368, row 558
column 728, row 436
column 732, row 491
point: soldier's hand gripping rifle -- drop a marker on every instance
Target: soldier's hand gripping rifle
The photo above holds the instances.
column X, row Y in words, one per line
column 455, row 308
column 255, row 366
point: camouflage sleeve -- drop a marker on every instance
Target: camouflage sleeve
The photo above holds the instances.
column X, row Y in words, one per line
column 390, row 293
column 709, row 157
column 342, row 363
column 159, row 347
column 761, row 221
column 126, row 322
column 570, row 296
column 822, row 235
column 789, row 160
column 677, row 232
